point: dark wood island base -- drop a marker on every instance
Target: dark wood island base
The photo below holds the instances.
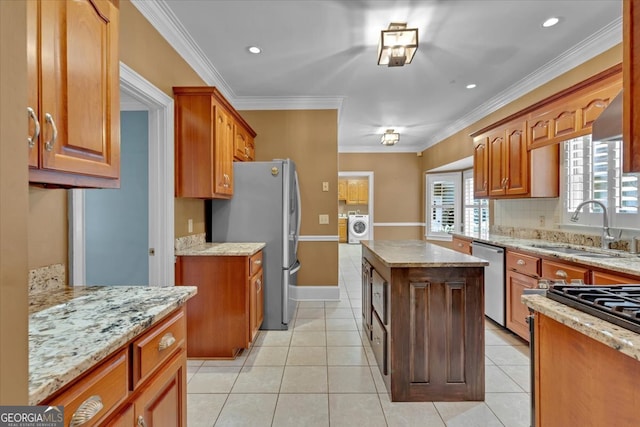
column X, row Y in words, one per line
column 423, row 312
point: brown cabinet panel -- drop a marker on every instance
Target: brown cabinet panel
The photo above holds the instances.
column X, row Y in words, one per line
column 342, row 230
column 561, row 271
column 516, row 161
column 517, row 312
column 366, row 298
column 526, row 264
column 631, row 94
column 497, row 172
column 539, row 130
column 342, row 189
column 243, row 144
column 480, row 168
column 461, row 245
column 606, row 278
column 379, row 344
column 380, row 296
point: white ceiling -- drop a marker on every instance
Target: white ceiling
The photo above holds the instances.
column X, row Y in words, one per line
column 322, row 54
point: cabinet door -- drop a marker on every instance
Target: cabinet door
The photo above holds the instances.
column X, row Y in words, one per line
column 256, row 304
column 79, row 98
column 539, row 130
column 363, row 192
column 481, row 168
column 497, row 163
column 162, row 403
column 33, row 77
column 342, row 230
column 342, row 189
column 516, row 161
column 223, row 152
column 517, row 312
column 259, row 300
column 461, row 245
column 561, row 271
column 603, row 278
column 631, row 79
column 352, row 192
column 241, row 144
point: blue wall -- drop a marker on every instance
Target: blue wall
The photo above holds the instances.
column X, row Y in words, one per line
column 117, row 221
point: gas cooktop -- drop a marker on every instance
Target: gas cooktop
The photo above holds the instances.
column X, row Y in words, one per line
column 619, row 304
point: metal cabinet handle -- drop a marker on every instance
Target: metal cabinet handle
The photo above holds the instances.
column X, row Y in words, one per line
column 258, row 262
column 166, row 341
column 36, row 131
column 520, row 262
column 562, row 273
column 259, row 283
column 226, row 180
column 506, row 182
column 484, row 187
column 86, row 411
column 141, row 422
column 54, row 132
column 460, row 245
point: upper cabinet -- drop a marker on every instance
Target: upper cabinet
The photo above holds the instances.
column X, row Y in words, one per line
column 357, row 191
column 631, row 65
column 209, row 133
column 518, row 157
column 73, row 93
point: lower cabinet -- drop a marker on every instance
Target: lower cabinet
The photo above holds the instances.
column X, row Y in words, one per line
column 517, row 312
column 366, row 298
column 227, row 312
column 342, row 230
column 109, row 393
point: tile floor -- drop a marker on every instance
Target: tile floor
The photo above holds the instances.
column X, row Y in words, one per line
column 321, row 373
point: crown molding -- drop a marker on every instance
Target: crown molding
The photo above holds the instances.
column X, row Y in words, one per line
column 379, row 148
column 289, row 103
column 597, row 43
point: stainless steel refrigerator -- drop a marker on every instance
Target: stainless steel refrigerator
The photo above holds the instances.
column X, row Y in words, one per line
column 265, row 207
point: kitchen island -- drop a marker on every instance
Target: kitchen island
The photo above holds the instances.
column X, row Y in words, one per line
column 423, row 312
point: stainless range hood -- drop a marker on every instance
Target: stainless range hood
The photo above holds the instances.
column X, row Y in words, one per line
column 608, row 126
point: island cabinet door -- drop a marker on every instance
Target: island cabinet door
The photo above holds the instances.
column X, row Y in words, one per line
column 366, row 298
column 437, row 334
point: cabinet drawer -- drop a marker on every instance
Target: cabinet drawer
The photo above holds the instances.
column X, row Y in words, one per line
column 380, row 296
column 602, row 278
column 379, row 344
column 97, row 393
column 255, row 263
column 559, row 271
column 156, row 346
column 462, row 245
column 522, row 263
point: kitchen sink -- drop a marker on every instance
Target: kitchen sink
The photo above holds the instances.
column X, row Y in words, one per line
column 578, row 252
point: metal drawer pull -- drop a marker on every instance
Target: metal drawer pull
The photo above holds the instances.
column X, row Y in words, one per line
column 460, row 245
column 166, row 341
column 54, row 132
column 36, row 131
column 259, row 283
column 520, row 262
column 86, row 411
column 561, row 273
column 141, row 422
column 258, row 262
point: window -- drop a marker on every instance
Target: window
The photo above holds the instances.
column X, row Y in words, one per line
column 594, row 172
column 443, row 205
column 476, row 211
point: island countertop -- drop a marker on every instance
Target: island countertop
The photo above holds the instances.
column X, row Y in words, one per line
column 222, row 249
column 417, row 253
column 72, row 329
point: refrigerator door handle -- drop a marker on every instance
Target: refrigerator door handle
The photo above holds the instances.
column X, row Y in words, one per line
column 295, row 268
column 299, row 209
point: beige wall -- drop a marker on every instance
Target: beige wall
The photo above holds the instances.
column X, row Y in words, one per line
column 397, row 190
column 14, row 205
column 310, row 139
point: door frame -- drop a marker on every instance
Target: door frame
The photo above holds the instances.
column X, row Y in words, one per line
column 161, row 187
column 369, row 175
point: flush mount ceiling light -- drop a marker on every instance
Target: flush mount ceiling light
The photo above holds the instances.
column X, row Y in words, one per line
column 397, row 45
column 254, row 49
column 390, row 137
column 550, row 22
column 471, row 86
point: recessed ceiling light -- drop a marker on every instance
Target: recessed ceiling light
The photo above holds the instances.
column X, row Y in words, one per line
column 254, row 49
column 470, row 86
column 550, row 22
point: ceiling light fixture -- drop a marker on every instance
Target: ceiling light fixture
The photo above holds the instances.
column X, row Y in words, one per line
column 254, row 49
column 470, row 86
column 550, row 22
column 397, row 45
column 390, row 137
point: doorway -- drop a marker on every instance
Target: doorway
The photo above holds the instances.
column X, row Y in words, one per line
column 365, row 209
column 158, row 108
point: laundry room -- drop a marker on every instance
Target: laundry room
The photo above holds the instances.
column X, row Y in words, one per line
column 354, row 211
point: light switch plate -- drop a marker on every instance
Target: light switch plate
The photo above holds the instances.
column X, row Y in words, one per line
column 325, row 186
column 324, row 219
column 190, row 225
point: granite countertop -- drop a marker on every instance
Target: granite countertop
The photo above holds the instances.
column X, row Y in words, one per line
column 620, row 261
column 72, row 329
column 417, row 253
column 616, row 337
column 221, row 249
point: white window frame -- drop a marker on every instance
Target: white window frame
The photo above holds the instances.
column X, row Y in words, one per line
column 481, row 204
column 587, row 217
column 430, row 179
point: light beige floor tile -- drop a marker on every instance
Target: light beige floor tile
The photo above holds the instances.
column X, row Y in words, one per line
column 273, row 339
column 377, row 379
column 238, row 361
column 339, row 313
column 490, row 324
column 348, row 410
column 259, row 379
column 520, row 374
column 297, row 410
column 303, row 324
column 255, row 410
column 496, row 381
column 513, row 409
column 267, row 356
column 343, row 303
column 343, row 338
column 488, row 362
column 341, row 324
column 356, row 303
column 191, row 363
column 371, row 357
column 346, row 356
column 418, row 414
column 501, row 337
column 467, row 414
column 203, row 409
column 307, row 356
column 304, row 379
column 308, row 339
column 351, row 379
column 311, row 304
column 310, row 313
column 506, row 355
column 213, row 380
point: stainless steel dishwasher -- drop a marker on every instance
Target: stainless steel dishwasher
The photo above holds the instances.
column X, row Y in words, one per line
column 494, row 284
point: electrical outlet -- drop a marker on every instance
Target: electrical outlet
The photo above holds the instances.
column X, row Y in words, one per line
column 325, row 186
column 190, row 225
column 324, row 219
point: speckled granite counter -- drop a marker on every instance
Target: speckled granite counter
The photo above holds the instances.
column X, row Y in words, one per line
column 620, row 261
column 618, row 338
column 70, row 330
column 221, row 249
column 417, row 253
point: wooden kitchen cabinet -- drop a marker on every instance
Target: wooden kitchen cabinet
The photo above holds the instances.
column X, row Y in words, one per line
column 73, row 93
column 609, row 278
column 522, row 273
column 554, row 270
column 461, row 245
column 243, row 143
column 342, row 189
column 481, row 167
column 206, row 128
column 225, row 315
column 357, row 192
column 631, row 94
column 342, row 230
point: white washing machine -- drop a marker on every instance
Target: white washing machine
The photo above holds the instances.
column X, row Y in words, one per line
column 358, row 226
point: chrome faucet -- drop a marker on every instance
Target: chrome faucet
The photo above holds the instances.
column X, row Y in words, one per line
column 606, row 237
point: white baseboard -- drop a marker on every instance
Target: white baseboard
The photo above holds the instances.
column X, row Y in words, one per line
column 315, row 293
